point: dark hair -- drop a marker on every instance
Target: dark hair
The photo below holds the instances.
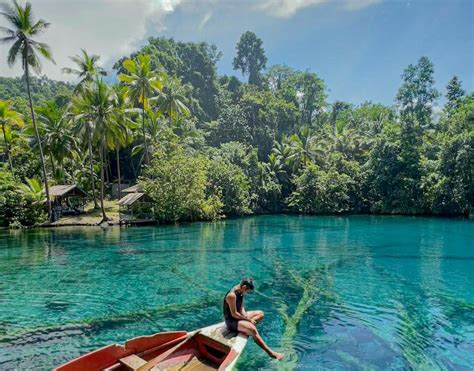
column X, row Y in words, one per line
column 247, row 282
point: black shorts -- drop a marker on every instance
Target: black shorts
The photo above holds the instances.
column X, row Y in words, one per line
column 232, row 324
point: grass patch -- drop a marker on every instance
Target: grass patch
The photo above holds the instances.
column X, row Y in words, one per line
column 91, row 216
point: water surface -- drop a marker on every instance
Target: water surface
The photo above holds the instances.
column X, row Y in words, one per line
column 338, row 292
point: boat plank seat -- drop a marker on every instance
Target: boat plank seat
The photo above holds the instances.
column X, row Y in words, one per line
column 132, row 362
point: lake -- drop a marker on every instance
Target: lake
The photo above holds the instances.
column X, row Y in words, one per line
column 359, row 292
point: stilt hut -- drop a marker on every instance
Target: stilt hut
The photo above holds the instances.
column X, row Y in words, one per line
column 135, row 205
column 67, row 200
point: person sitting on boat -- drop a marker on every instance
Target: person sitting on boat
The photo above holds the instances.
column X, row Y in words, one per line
column 238, row 320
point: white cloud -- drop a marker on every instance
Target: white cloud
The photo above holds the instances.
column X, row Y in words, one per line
column 359, row 4
column 113, row 28
column 110, row 28
column 205, row 19
column 287, row 8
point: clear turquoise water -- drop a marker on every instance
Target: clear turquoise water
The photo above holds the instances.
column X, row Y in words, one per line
column 380, row 292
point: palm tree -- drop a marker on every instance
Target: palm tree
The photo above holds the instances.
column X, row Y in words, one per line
column 33, row 191
column 95, row 104
column 275, row 168
column 118, row 131
column 171, row 101
column 21, row 35
column 303, row 147
column 83, row 125
column 87, row 68
column 58, row 138
column 142, row 83
column 283, row 152
column 344, row 139
column 8, row 119
column 155, row 128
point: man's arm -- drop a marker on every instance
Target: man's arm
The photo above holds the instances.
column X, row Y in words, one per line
column 231, row 300
column 242, row 310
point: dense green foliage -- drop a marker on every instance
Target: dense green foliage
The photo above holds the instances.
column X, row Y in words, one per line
column 20, row 203
column 177, row 182
column 43, row 90
column 193, row 63
column 250, row 57
column 205, row 146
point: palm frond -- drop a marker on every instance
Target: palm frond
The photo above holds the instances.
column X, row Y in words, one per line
column 32, row 60
column 130, row 66
column 9, row 13
column 77, row 60
column 70, row 71
column 126, row 78
column 14, row 51
column 7, row 40
column 44, row 50
column 39, row 27
column 7, row 31
column 27, row 15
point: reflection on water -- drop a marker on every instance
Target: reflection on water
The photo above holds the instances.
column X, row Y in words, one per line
column 339, row 293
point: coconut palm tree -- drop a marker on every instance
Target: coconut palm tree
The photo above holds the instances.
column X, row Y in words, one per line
column 95, row 103
column 58, row 138
column 142, row 83
column 84, row 126
column 156, row 127
column 303, row 147
column 118, row 132
column 171, row 101
column 87, row 68
column 23, row 30
column 32, row 190
column 283, row 153
column 275, row 168
column 9, row 119
column 344, row 139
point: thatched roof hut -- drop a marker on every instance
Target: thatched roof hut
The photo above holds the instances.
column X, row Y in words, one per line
column 133, row 189
column 135, row 205
column 67, row 199
column 71, row 190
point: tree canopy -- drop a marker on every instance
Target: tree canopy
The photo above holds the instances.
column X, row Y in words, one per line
column 250, row 57
column 206, row 146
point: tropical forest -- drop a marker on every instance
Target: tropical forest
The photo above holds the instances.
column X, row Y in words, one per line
column 206, row 146
column 135, row 191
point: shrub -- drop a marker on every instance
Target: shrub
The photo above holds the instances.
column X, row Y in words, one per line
column 177, row 184
column 230, row 182
column 320, row 192
column 19, row 204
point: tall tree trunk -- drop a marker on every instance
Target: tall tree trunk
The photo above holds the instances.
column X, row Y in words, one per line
column 91, row 167
column 133, row 168
column 117, row 149
column 52, row 165
column 40, row 146
column 63, row 172
column 7, row 150
column 147, row 158
column 104, row 215
column 107, row 166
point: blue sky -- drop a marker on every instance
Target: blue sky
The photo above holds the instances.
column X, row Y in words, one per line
column 360, row 53
column 359, row 47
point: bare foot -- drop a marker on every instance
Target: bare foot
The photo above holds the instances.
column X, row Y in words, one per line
column 276, row 355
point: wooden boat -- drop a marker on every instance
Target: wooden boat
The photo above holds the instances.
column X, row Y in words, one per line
column 210, row 348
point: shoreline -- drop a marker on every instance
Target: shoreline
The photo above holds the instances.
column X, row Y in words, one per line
column 139, row 223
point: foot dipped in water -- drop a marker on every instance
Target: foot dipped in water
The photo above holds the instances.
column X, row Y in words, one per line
column 277, row 355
